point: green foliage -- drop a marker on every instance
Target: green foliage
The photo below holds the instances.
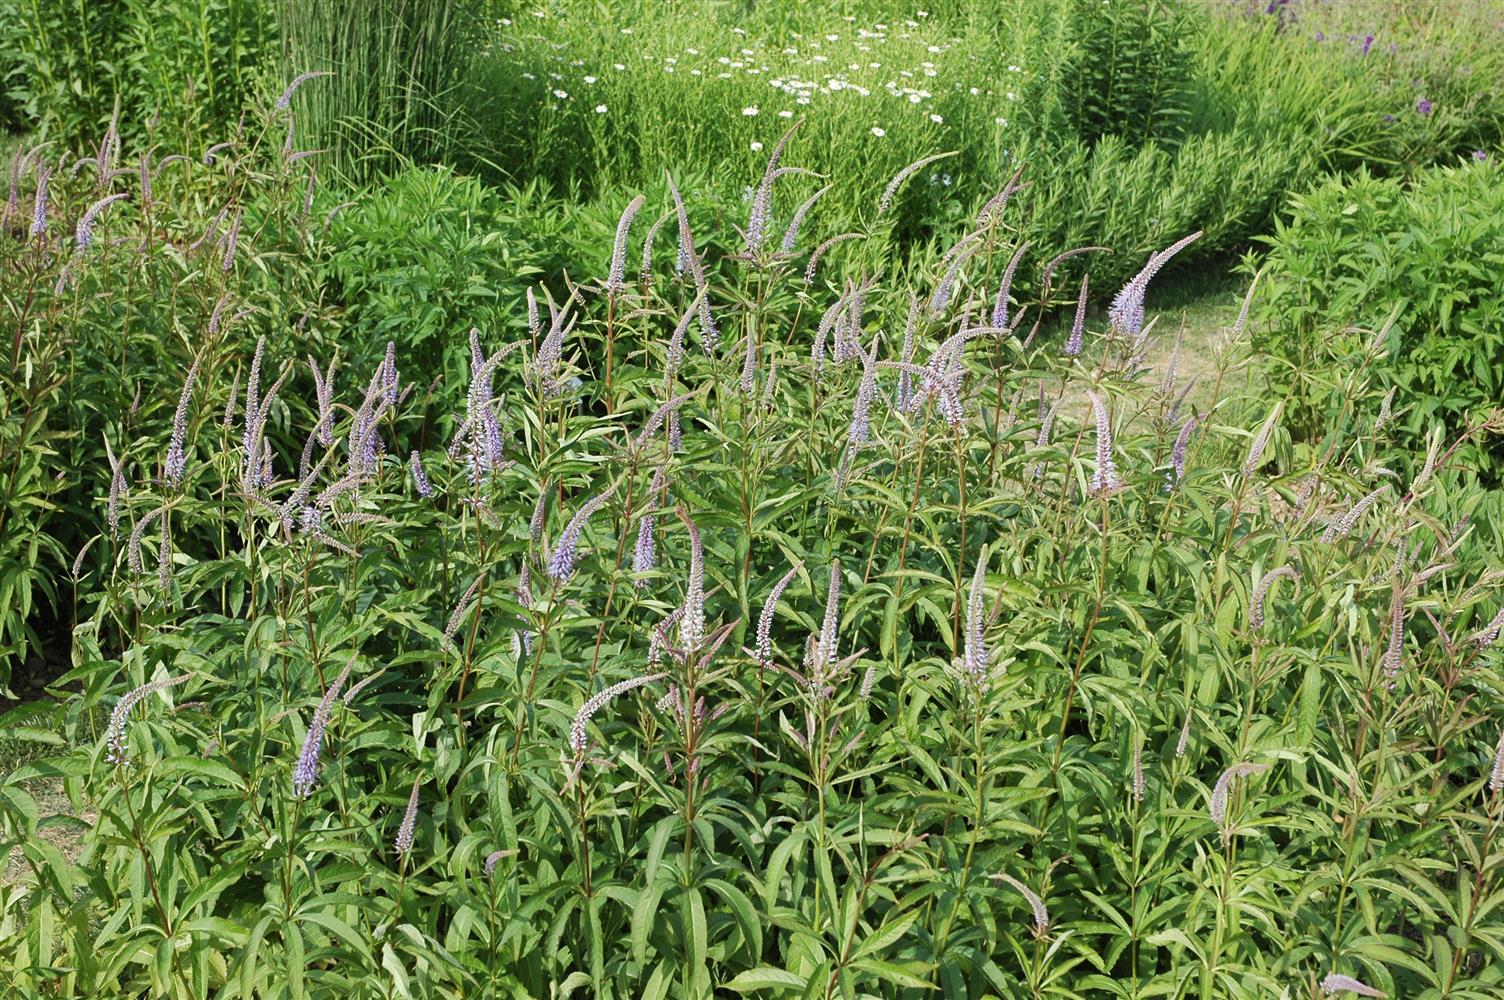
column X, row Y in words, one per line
column 71, row 64
column 548, row 765
column 1128, row 68
column 99, row 339
column 1426, row 254
column 423, row 258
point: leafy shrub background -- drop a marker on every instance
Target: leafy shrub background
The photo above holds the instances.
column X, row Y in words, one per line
column 1428, row 250
column 190, row 63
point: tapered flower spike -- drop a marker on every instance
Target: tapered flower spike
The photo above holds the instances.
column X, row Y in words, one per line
column 616, row 281
column 1041, row 914
column 420, row 477
column 974, row 649
column 1000, row 307
column 826, row 645
column 1496, row 776
column 285, row 101
column 562, row 562
column 913, row 168
column 115, row 731
column 1138, row 770
column 1218, row 808
column 39, row 204
column 692, row 625
column 404, row 841
column 1177, row 453
column 1489, row 634
column 1185, row 735
column 177, row 461
column 1342, row 526
column 791, row 234
column 83, row 236
column 305, row 775
column 1127, row 311
column 765, row 620
column 1261, row 590
column 645, row 552
column 1394, row 655
column 579, row 739
column 762, row 199
column 1337, row 983
column 1261, row 441
column 1105, row 479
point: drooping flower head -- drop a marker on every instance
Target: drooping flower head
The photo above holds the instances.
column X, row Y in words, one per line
column 1036, row 905
column 562, row 561
column 115, row 731
column 765, row 620
column 579, row 740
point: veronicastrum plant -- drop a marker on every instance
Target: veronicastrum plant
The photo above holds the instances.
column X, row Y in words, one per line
column 765, row 619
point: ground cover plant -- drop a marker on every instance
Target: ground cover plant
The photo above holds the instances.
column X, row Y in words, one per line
column 770, row 570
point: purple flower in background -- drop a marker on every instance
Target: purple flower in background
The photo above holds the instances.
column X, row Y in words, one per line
column 1423, row 107
column 1367, row 43
column 1321, row 36
column 1388, row 119
column 1480, row 156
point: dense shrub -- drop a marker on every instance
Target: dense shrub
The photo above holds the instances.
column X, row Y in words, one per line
column 1426, row 254
column 191, row 262
column 1072, row 689
column 67, row 68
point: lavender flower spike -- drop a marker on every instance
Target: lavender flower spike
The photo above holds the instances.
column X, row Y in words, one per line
column 420, row 477
column 1394, row 655
column 645, row 552
column 1127, row 310
column 579, row 740
column 83, row 236
column 39, row 206
column 1261, row 441
column 974, row 649
column 1177, row 453
column 561, row 563
column 1489, row 634
column 115, row 732
column 825, row 646
column 1496, row 776
column 285, row 101
column 1261, row 590
column 616, row 281
column 1336, row 983
column 305, row 776
column 176, row 460
column 409, row 820
column 765, row 620
column 1218, row 807
column 1078, row 327
column 1041, row 915
column 1105, row 479
column 692, row 625
column 1000, row 307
